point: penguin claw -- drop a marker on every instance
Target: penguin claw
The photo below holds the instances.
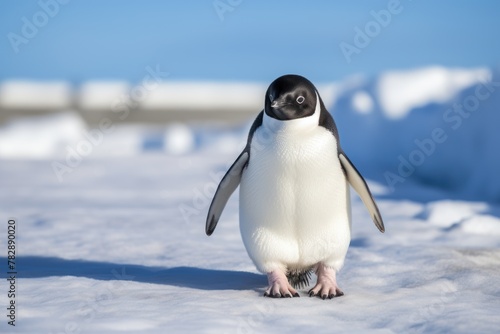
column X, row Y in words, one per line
column 326, row 286
column 279, row 286
column 325, row 292
column 281, row 294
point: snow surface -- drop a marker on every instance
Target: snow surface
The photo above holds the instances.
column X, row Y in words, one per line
column 117, row 243
column 40, row 137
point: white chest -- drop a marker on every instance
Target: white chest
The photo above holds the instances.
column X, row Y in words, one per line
column 293, row 181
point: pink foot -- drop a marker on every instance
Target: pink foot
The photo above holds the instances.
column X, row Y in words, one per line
column 279, row 286
column 326, row 286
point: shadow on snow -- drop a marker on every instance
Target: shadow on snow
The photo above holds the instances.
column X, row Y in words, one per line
column 190, row 277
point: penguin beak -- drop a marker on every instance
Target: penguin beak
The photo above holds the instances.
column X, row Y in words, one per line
column 278, row 111
column 278, row 104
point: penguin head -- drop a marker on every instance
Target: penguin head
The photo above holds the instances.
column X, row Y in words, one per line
column 290, row 97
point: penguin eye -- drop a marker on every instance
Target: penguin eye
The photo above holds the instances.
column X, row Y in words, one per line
column 300, row 99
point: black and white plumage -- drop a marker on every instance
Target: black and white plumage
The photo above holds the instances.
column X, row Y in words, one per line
column 295, row 212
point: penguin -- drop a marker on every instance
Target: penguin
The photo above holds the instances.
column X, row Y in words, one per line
column 294, row 204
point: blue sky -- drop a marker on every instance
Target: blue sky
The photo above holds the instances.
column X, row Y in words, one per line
column 255, row 40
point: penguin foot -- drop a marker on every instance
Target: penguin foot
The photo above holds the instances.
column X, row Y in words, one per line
column 326, row 286
column 279, row 286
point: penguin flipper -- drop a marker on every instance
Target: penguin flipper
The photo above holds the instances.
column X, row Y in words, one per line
column 226, row 187
column 359, row 184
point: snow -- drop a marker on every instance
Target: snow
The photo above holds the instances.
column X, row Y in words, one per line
column 179, row 139
column 482, row 224
column 40, row 137
column 123, row 140
column 451, row 145
column 402, row 91
column 447, row 139
column 362, row 102
column 109, row 249
column 118, row 245
column 446, row 213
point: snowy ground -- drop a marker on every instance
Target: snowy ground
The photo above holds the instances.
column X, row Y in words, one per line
column 118, row 244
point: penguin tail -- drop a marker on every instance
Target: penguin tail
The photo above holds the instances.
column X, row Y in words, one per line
column 299, row 278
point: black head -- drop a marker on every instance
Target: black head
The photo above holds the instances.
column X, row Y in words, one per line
column 290, row 97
